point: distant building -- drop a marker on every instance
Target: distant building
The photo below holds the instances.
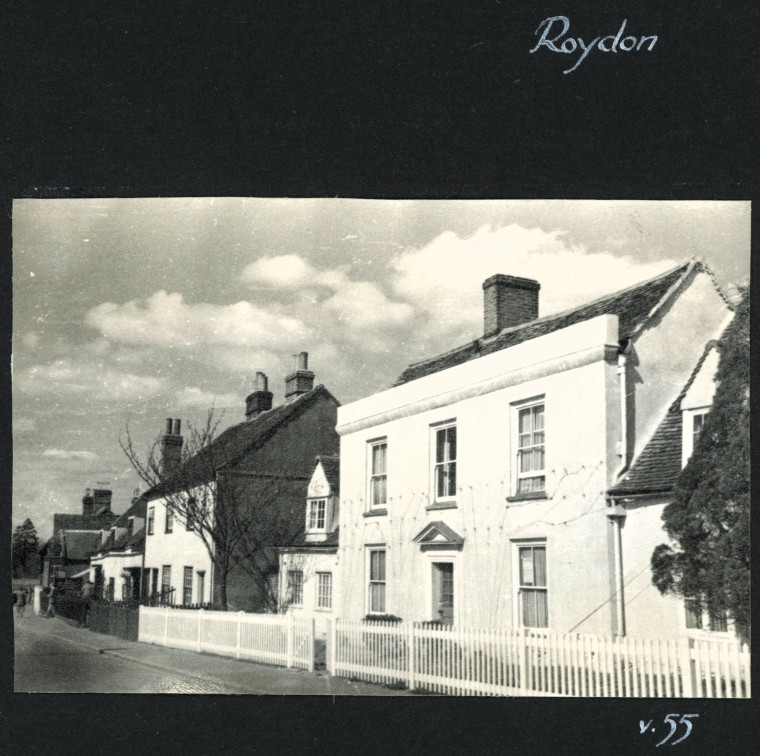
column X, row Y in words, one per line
column 66, row 555
column 116, row 566
column 273, row 450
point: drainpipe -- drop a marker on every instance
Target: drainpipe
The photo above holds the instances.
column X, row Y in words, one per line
column 617, row 516
column 616, row 511
column 622, row 371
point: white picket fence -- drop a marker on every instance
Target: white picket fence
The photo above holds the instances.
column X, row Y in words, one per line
column 458, row 661
column 285, row 640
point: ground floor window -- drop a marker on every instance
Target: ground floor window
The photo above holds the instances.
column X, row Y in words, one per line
column 377, row 581
column 154, row 581
column 111, row 588
column 699, row 617
column 324, row 590
column 295, row 587
column 532, row 591
column 166, row 578
column 187, row 586
column 201, row 586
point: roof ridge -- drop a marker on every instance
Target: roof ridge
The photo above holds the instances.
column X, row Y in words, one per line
column 598, row 300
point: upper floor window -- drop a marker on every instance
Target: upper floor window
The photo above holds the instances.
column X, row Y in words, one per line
column 169, row 518
column 698, row 423
column 445, row 470
column 190, row 514
column 317, row 511
column 531, row 462
column 378, row 494
column 151, row 519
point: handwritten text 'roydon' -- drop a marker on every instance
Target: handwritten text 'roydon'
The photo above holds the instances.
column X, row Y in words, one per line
column 569, row 45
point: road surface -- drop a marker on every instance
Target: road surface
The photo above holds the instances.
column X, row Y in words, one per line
column 45, row 663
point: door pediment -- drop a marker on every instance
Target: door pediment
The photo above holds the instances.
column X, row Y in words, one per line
column 439, row 536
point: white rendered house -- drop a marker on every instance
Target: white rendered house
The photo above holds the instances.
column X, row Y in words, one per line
column 476, row 490
column 309, row 566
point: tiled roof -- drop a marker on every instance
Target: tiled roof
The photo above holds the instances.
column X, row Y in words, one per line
column 137, row 509
column 331, row 466
column 658, row 466
column 63, row 521
column 300, row 542
column 632, row 306
column 80, row 544
column 235, row 442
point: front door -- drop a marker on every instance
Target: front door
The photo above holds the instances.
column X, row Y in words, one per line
column 443, row 592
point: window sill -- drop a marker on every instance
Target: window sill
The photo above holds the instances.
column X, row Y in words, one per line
column 441, row 505
column 528, row 496
column 376, row 513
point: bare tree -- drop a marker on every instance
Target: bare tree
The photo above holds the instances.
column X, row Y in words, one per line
column 240, row 515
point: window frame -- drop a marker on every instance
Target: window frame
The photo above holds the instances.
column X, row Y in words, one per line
column 704, row 620
column 688, row 439
column 316, row 528
column 169, row 523
column 320, row 594
column 376, row 581
column 520, row 588
column 201, row 585
column 151, row 520
column 189, row 519
column 372, row 476
column 293, row 598
column 517, row 408
column 166, row 578
column 447, row 464
column 187, row 590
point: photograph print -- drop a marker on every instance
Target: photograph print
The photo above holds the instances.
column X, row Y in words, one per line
column 381, row 447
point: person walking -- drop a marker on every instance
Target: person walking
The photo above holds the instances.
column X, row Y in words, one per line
column 50, row 608
column 21, row 603
column 87, row 590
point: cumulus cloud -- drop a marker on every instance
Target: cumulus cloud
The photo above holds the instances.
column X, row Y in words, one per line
column 86, row 456
column 355, row 304
column 442, row 280
column 88, row 381
column 193, row 396
column 164, row 319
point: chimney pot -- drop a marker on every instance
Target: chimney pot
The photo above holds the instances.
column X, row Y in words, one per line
column 177, row 426
column 508, row 301
column 260, row 400
column 301, row 380
column 168, row 426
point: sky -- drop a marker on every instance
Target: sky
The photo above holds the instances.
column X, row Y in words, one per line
column 130, row 311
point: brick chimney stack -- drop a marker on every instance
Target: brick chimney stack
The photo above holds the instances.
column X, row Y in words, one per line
column 171, row 446
column 508, row 301
column 101, row 498
column 260, row 400
column 301, row 380
column 88, row 503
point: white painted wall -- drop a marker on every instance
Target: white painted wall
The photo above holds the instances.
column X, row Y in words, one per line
column 112, row 566
column 666, row 352
column 567, row 368
column 311, row 564
column 179, row 549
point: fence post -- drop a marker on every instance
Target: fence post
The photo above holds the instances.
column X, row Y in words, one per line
column 687, row 680
column 290, row 632
column 312, row 638
column 198, row 643
column 239, row 630
column 166, row 626
column 411, row 656
column 330, row 646
column 522, row 642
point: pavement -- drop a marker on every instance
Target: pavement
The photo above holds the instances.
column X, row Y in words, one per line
column 227, row 675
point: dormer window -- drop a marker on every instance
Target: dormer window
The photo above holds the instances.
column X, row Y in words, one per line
column 693, row 424
column 317, row 514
